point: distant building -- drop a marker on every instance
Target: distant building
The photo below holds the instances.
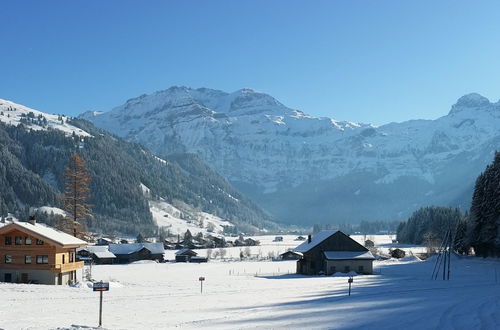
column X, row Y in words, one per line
column 278, row 239
column 126, row 253
column 31, row 252
column 290, row 255
column 329, row 251
column 300, row 238
column 185, row 255
column 98, row 254
column 104, row 241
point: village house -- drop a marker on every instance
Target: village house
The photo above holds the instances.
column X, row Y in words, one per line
column 330, row 251
column 126, row 253
column 97, row 254
column 185, row 255
column 32, row 252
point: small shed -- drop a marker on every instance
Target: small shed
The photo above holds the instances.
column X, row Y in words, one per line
column 290, row 255
column 185, row 255
column 278, row 239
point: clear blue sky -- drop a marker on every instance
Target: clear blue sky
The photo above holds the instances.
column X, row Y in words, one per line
column 368, row 61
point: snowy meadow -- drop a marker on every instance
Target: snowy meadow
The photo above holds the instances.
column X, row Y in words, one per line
column 264, row 295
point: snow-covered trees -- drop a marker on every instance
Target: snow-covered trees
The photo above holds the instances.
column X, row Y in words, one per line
column 428, row 225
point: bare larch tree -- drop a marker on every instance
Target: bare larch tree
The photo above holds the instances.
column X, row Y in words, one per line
column 76, row 194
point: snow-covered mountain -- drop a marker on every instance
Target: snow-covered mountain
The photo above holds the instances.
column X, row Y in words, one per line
column 308, row 169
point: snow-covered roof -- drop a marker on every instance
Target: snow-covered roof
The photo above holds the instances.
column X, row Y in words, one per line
column 184, row 251
column 46, row 232
column 345, row 255
column 104, row 254
column 94, row 248
column 154, row 248
column 315, row 240
column 293, row 252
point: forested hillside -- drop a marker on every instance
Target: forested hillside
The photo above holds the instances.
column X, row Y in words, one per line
column 32, row 164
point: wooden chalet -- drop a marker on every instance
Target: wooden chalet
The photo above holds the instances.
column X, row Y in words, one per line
column 31, row 252
column 126, row 253
column 329, row 251
column 185, row 255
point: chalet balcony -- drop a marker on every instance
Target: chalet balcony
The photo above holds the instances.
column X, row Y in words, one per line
column 63, row 268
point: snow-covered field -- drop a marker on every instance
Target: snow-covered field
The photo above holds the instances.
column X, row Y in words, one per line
column 264, row 295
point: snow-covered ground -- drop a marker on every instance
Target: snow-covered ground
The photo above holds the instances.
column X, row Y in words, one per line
column 263, row 295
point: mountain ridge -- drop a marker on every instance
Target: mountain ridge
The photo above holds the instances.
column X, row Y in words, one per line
column 269, row 150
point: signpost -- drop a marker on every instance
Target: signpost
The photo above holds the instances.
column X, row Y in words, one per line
column 350, row 280
column 100, row 286
column 201, row 279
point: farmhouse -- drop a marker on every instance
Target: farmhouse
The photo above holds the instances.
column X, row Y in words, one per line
column 329, row 251
column 31, row 252
column 126, row 253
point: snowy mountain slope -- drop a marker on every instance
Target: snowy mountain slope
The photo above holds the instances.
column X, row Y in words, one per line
column 177, row 221
column 35, row 148
column 320, row 168
column 15, row 114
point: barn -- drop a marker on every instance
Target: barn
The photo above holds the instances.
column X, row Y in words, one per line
column 330, row 251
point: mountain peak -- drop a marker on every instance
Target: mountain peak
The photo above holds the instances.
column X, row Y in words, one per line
column 470, row 101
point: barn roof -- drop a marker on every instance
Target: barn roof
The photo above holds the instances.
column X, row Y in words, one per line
column 347, row 255
column 45, row 232
column 315, row 240
column 154, row 248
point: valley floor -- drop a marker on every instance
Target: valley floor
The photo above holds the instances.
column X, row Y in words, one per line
column 163, row 296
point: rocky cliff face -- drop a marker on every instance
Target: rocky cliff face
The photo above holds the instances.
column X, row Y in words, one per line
column 305, row 169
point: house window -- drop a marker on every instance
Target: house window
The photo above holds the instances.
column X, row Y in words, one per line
column 360, row 269
column 347, row 269
column 42, row 259
column 8, row 259
column 19, row 240
column 71, row 257
column 27, row 259
column 64, row 258
column 332, row 269
column 27, row 240
column 39, row 242
column 8, row 240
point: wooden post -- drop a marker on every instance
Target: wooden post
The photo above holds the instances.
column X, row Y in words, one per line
column 100, row 309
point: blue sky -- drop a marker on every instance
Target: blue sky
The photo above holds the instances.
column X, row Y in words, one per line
column 367, row 61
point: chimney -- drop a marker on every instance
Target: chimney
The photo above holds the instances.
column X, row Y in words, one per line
column 32, row 220
column 309, row 238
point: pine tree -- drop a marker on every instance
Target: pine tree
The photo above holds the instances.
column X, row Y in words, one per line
column 76, row 194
